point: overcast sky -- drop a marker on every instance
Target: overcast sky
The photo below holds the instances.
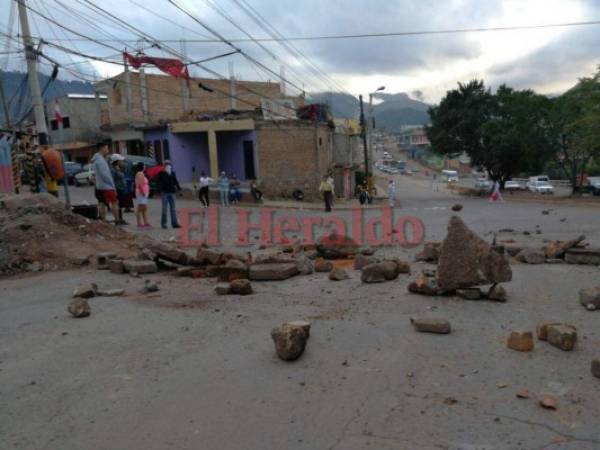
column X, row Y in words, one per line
column 547, row 60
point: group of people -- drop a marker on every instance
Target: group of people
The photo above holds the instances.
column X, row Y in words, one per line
column 362, row 193
column 112, row 192
column 228, row 188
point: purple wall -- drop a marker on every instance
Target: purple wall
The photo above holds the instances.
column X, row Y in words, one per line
column 191, row 150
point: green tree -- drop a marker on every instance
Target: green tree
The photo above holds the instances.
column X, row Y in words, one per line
column 575, row 126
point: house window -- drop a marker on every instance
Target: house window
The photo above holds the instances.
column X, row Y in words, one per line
column 158, row 152
column 66, row 123
column 54, row 124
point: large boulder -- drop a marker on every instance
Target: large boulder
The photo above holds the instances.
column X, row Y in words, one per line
column 531, row 256
column 373, row 273
column 467, row 260
column 272, row 272
column 430, row 252
column 334, row 246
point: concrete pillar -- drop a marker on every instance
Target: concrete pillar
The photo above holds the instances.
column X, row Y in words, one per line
column 213, row 154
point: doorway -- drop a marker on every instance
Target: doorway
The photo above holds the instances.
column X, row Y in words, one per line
column 249, row 160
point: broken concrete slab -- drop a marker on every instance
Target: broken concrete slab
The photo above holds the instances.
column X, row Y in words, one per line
column 222, row 289
column 431, row 325
column 116, row 266
column 290, row 340
column 338, row 274
column 272, row 272
column 233, row 270
column 497, row 293
column 466, row 260
column 117, row 292
column 140, row 267
column 209, row 256
column 590, row 296
column 559, row 248
column 521, row 341
column 168, row 252
column 589, row 256
column 79, row 308
column 240, row 286
column 103, row 258
column 562, row 336
column 541, row 330
column 274, row 258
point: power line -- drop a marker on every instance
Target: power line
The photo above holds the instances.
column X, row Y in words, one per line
column 394, row 33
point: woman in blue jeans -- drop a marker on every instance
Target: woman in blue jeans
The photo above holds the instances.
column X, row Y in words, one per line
column 223, row 185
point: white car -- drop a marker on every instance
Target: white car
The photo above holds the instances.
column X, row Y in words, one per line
column 483, row 184
column 85, row 177
column 541, row 187
column 511, row 186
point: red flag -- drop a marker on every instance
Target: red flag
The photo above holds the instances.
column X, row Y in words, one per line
column 57, row 115
column 173, row 67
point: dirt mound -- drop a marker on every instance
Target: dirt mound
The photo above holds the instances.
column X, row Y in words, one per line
column 38, row 233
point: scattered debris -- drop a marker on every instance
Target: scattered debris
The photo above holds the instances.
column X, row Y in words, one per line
column 424, row 284
column 140, row 267
column 430, row 252
column 149, row 287
column 272, row 272
column 338, row 274
column 590, row 297
column 335, row 246
column 522, row 393
column 588, row 256
column 222, row 289
column 79, row 308
column 473, row 293
column 562, row 336
column 322, row 265
column 431, row 325
column 531, row 256
column 541, row 330
column 596, row 368
column 548, row 402
column 290, row 339
column 497, row 293
column 102, row 260
column 85, row 291
column 521, row 341
column 116, row 266
column 457, row 207
column 559, row 248
column 232, row 270
column 466, row 260
column 240, row 286
column 363, row 260
column 372, row 273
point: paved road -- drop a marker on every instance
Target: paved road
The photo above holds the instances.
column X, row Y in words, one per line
column 187, row 369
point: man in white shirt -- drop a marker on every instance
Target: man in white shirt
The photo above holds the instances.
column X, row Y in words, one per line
column 203, row 193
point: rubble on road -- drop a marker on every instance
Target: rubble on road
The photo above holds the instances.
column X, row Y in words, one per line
column 430, row 252
column 336, row 246
column 562, row 336
column 587, row 256
column 595, row 367
column 590, row 297
column 290, row 339
column 425, row 284
column 363, row 260
column 85, row 291
column 240, row 286
column 232, row 270
column 149, row 287
column 79, row 308
column 222, row 289
column 521, row 341
column 559, row 248
column 322, row 265
column 139, row 267
column 116, row 266
column 272, row 272
column 38, row 233
column 102, row 260
column 466, row 260
column 548, row 402
column 338, row 274
column 473, row 293
column 497, row 293
column 531, row 256
column 431, row 325
column 304, row 264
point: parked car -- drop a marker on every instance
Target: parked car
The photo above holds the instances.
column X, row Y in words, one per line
column 593, row 185
column 483, row 184
column 511, row 186
column 85, row 177
column 72, row 169
column 450, row 176
column 541, row 187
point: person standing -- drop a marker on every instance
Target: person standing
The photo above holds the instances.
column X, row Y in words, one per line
column 496, row 195
column 204, row 192
column 332, row 183
column 168, row 186
column 105, row 185
column 392, row 193
column 327, row 189
column 256, row 193
column 234, row 189
column 142, row 192
column 224, row 189
column 120, row 184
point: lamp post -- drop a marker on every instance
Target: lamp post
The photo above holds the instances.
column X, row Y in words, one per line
column 370, row 127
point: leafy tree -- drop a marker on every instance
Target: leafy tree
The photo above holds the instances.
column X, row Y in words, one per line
column 575, row 126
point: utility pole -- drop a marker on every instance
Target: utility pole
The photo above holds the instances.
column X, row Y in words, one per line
column 232, row 86
column 363, row 134
column 34, row 85
column 3, row 100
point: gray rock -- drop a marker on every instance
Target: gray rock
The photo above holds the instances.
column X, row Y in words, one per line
column 390, row 269
column 590, row 296
column 116, row 266
column 334, row 246
column 469, row 293
column 274, row 272
column 431, row 325
column 79, row 308
column 322, row 265
column 497, row 293
column 290, row 340
column 338, row 274
column 85, row 291
column 467, row 260
column 363, row 260
column 372, row 273
column 562, row 336
column 222, row 289
column 240, row 287
column 531, row 256
column 596, row 367
column 304, row 264
column 140, row 267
